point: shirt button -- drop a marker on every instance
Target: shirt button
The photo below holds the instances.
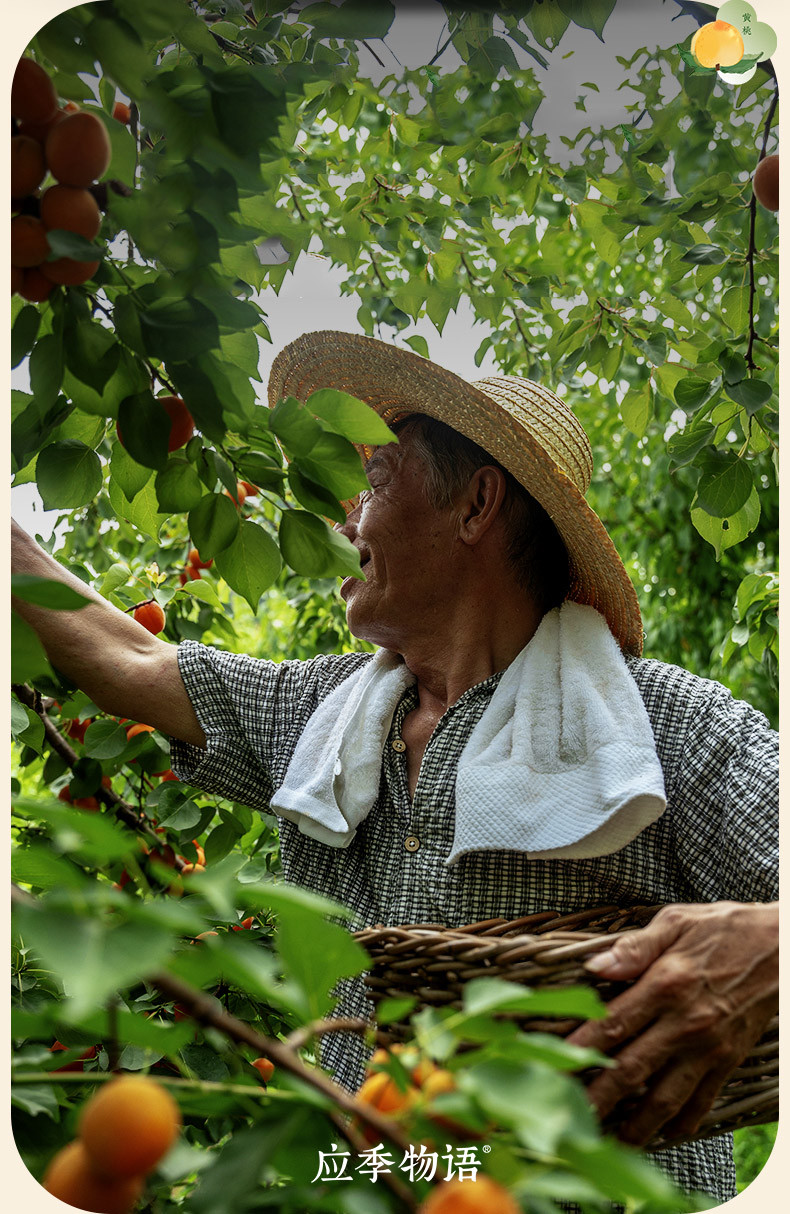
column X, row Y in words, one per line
column 399, row 745
column 411, row 843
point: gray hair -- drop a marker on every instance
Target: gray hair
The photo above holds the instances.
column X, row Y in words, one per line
column 536, row 553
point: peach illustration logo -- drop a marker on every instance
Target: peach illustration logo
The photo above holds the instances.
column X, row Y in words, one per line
column 732, row 45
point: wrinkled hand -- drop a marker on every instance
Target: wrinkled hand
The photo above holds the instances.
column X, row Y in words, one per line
column 709, row 986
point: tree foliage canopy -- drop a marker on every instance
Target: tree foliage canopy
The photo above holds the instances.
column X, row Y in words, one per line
column 637, row 276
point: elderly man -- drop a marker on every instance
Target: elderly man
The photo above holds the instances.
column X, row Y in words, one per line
column 506, row 750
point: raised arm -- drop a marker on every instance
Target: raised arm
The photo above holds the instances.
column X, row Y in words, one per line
column 123, row 668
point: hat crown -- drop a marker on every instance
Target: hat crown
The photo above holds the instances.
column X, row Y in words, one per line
column 549, row 420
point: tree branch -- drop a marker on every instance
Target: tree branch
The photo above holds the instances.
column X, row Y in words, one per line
column 122, row 809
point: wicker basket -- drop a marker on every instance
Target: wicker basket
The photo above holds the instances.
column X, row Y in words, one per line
column 432, row 963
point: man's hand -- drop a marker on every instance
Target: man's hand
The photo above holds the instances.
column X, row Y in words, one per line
column 709, row 986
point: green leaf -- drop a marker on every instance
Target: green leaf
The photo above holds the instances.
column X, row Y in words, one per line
column 353, row 19
column 24, row 333
column 314, row 497
column 250, row 563
column 408, row 130
column 144, row 429
column 420, row 345
column 313, row 549
column 692, row 392
column 635, row 408
column 213, row 524
column 125, row 472
column 28, row 659
column 177, row 330
column 143, row 512
column 349, row 416
column 735, row 308
column 69, row 244
column 751, row 394
column 315, row 954
column 178, row 488
column 334, row 463
column 589, row 14
column 294, row 425
column 92, row 353
column 105, row 740
column 496, row 994
column 46, row 593
column 46, row 369
column 705, row 255
column 92, row 958
column 68, row 474
column 725, row 485
column 685, row 446
column 653, row 347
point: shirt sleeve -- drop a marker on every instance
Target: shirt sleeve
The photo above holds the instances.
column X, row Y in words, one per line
column 726, row 792
column 252, row 712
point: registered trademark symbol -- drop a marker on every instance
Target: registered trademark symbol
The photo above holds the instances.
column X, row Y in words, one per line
column 486, row 1149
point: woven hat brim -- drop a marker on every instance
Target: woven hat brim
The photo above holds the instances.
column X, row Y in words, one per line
column 397, row 382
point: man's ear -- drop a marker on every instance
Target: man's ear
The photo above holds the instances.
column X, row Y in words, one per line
column 480, row 503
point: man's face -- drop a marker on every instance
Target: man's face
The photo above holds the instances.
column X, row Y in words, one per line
column 405, row 547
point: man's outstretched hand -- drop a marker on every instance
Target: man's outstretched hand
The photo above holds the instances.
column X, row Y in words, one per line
column 708, row 984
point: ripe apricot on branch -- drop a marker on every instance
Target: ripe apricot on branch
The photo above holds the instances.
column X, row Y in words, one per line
column 71, row 1178
column 33, row 96
column 27, row 165
column 151, row 616
column 29, row 246
column 766, row 183
column 66, row 272
column 717, row 44
column 35, row 286
column 78, row 149
column 264, row 1067
column 480, row 1196
column 139, row 727
column 194, row 560
column 129, row 1125
column 121, row 112
column 182, row 427
column 70, row 209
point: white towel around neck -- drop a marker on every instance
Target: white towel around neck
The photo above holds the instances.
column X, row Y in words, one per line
column 562, row 763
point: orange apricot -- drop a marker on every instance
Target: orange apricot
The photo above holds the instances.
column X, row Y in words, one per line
column 27, row 165
column 70, row 209
column 264, row 1067
column 66, row 272
column 33, row 96
column 121, row 112
column 194, row 560
column 480, row 1196
column 40, row 130
column 78, row 149
column 71, row 1178
column 766, row 183
column 29, row 246
column 151, row 616
column 129, row 1125
column 133, row 730
column 182, row 427
column 36, row 287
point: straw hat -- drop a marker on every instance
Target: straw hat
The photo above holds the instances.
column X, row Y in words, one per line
column 526, row 427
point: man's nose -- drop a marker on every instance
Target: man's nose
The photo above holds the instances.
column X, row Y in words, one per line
column 349, row 527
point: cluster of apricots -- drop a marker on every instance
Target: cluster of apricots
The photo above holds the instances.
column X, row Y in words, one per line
column 71, row 147
column 483, row 1195
column 125, row 1129
column 426, row 1082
